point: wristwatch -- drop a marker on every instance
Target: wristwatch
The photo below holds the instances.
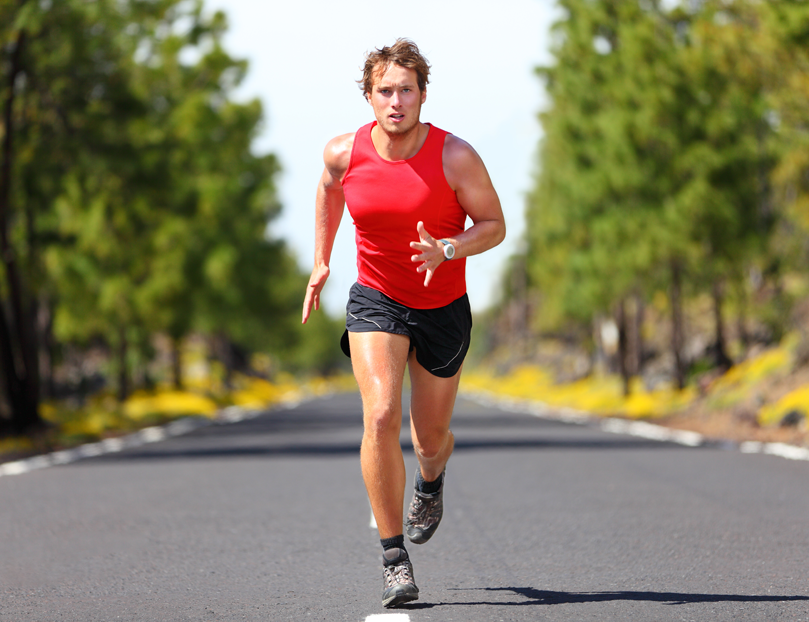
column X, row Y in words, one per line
column 449, row 249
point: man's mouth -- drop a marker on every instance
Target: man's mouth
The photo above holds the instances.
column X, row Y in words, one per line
column 397, row 117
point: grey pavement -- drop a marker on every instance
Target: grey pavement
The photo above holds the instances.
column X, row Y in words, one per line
column 267, row 519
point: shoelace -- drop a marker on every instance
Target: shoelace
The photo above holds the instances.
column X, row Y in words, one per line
column 416, row 509
column 397, row 573
column 421, row 510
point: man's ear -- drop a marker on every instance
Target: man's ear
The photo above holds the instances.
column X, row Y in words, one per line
column 424, row 95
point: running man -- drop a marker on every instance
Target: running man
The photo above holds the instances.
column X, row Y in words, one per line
column 409, row 188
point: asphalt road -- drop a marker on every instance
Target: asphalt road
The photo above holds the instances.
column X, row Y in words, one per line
column 267, row 519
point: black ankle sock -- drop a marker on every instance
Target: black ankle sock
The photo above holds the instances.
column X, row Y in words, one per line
column 396, row 542
column 393, row 550
column 428, row 488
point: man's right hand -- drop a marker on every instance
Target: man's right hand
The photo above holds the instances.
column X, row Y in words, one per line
column 313, row 289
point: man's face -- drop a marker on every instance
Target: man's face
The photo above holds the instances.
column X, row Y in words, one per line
column 396, row 99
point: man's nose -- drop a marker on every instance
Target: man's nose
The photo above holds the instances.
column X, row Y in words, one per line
column 394, row 100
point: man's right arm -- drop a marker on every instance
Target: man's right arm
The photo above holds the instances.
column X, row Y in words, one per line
column 329, row 204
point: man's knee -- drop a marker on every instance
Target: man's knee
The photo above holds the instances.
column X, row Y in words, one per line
column 431, row 445
column 382, row 421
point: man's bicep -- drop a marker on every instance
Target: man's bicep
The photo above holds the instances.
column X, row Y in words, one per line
column 475, row 190
column 328, row 180
column 467, row 176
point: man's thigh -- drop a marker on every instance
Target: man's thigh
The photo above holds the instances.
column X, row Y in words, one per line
column 432, row 399
column 379, row 361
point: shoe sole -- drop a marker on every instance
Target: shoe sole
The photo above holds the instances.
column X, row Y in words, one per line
column 400, row 598
column 417, row 536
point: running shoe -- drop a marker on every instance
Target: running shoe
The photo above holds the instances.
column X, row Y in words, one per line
column 424, row 514
column 398, row 584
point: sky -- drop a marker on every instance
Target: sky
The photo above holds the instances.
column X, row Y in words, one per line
column 305, row 58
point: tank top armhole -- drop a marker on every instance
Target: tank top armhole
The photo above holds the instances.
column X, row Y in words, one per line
column 449, row 190
column 351, row 157
column 443, row 171
column 357, row 136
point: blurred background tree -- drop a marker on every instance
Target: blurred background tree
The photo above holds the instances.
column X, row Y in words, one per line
column 131, row 202
column 134, row 211
column 673, row 163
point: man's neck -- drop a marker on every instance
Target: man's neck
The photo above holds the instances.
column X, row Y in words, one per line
column 394, row 147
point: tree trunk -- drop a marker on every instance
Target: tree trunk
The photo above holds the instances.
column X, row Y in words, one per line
column 177, row 363
column 677, row 323
column 623, row 345
column 640, row 313
column 223, row 352
column 22, row 375
column 722, row 360
column 519, row 329
column 11, row 385
column 741, row 319
column 123, row 371
column 47, row 347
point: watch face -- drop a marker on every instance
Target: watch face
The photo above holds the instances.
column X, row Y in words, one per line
column 449, row 250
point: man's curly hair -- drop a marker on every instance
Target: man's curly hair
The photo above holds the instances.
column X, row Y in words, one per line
column 404, row 53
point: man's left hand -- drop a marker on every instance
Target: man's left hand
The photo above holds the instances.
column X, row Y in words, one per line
column 431, row 253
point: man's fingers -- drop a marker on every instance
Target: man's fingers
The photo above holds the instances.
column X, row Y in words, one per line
column 423, row 232
column 427, row 247
column 312, row 298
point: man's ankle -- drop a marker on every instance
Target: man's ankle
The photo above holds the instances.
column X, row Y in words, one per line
column 428, row 488
column 393, row 550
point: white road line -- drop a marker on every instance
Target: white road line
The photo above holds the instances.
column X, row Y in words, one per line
column 373, row 524
column 642, row 429
column 112, row 445
column 136, row 439
column 14, row 468
column 388, row 617
column 790, row 452
column 66, row 456
column 153, row 434
column 91, row 450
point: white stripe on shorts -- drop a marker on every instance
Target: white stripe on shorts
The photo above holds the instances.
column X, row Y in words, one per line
column 452, row 359
column 365, row 319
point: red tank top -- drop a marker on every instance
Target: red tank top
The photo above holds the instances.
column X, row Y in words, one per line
column 386, row 200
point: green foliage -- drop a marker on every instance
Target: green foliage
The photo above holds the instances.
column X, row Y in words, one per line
column 786, row 36
column 139, row 205
column 658, row 149
column 318, row 346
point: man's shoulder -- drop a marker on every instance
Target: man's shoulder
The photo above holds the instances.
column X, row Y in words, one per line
column 340, row 144
column 337, row 153
column 455, row 148
column 459, row 159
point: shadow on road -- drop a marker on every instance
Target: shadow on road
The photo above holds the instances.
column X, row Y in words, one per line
column 546, row 597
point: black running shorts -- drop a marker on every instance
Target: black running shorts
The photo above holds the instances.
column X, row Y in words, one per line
column 439, row 336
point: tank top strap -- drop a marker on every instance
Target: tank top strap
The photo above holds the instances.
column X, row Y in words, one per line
column 362, row 145
column 432, row 148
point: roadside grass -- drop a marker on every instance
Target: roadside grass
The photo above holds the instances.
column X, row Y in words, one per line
column 602, row 395
column 597, row 394
column 102, row 416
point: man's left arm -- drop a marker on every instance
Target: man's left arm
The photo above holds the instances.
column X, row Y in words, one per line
column 468, row 177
